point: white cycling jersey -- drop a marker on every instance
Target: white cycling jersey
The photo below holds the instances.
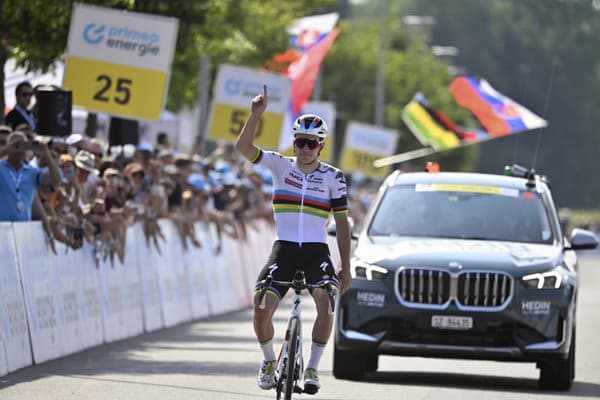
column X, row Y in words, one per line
column 302, row 203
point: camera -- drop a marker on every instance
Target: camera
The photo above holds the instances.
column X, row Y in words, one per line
column 25, row 145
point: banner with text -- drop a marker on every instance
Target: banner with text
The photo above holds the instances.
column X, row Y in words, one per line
column 234, row 90
column 119, row 62
column 363, row 144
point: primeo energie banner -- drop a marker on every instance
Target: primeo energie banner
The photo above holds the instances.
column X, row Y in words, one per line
column 119, row 62
column 363, row 144
column 233, row 92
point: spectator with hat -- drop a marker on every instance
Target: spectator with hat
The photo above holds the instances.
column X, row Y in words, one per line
column 144, row 153
column 86, row 173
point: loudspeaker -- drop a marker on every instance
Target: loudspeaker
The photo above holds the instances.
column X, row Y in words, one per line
column 123, row 131
column 54, row 111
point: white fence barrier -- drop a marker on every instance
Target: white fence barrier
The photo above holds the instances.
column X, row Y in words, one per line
column 15, row 346
column 57, row 304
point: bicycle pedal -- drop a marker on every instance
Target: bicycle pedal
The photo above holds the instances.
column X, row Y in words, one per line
column 298, row 389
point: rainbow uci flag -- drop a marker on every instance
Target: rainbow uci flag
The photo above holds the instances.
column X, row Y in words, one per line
column 433, row 128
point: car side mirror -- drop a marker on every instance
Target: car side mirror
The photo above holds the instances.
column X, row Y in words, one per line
column 582, row 239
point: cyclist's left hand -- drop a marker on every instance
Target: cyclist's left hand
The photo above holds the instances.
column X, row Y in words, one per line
column 345, row 279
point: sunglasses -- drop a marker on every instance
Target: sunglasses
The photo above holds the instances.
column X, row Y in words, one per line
column 311, row 143
column 26, row 94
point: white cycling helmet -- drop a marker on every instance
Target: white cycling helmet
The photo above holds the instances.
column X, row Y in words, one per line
column 310, row 124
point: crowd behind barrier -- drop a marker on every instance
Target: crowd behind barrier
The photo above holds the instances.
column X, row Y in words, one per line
column 102, row 191
column 53, row 305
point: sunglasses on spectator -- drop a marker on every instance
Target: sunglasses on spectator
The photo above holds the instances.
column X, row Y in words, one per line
column 26, row 94
column 311, row 143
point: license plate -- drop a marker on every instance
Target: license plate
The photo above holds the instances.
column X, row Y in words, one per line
column 451, row 322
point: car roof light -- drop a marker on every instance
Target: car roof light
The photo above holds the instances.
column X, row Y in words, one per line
column 432, row 167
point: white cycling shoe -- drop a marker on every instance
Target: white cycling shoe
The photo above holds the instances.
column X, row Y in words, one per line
column 311, row 381
column 266, row 375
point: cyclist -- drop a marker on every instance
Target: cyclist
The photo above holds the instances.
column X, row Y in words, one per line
column 305, row 192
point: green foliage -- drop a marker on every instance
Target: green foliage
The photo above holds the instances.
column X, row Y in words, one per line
column 543, row 54
column 239, row 32
column 349, row 75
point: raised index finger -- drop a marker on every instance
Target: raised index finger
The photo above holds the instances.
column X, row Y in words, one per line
column 265, row 91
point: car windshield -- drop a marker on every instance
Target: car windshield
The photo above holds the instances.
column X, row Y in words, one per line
column 462, row 211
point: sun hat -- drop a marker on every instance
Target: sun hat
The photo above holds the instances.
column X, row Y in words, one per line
column 86, row 161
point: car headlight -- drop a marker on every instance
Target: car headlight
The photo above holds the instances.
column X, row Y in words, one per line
column 544, row 280
column 370, row 272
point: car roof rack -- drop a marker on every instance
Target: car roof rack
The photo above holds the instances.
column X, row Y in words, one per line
column 522, row 172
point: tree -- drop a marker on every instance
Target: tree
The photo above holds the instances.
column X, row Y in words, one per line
column 543, row 55
column 349, row 80
column 240, row 32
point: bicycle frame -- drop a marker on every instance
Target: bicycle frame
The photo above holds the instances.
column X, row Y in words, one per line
column 295, row 313
column 297, row 284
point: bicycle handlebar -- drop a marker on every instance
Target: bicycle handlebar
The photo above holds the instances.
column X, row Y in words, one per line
column 298, row 285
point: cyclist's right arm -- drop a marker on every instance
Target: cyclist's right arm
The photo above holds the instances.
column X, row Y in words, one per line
column 245, row 140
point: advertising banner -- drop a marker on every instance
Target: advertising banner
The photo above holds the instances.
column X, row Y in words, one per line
column 146, row 251
column 67, row 273
column 134, row 315
column 173, row 280
column 39, row 291
column 363, row 144
column 15, row 347
column 119, row 62
column 92, row 324
column 234, row 90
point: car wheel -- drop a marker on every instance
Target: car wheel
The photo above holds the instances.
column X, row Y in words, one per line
column 559, row 374
column 348, row 364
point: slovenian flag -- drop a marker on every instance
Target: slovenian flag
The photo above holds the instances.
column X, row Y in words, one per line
column 306, row 32
column 311, row 38
column 498, row 114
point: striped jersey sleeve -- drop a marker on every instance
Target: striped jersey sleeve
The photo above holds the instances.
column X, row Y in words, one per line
column 339, row 202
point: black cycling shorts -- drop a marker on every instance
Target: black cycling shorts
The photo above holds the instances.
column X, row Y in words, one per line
column 286, row 257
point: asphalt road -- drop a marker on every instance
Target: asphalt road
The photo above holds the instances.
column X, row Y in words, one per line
column 218, row 359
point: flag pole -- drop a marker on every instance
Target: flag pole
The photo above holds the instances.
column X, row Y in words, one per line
column 427, row 151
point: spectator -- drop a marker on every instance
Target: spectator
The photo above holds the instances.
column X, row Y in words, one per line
column 135, row 173
column 163, row 142
column 21, row 114
column 19, row 181
column 174, row 188
column 95, row 147
column 26, row 129
column 85, row 163
column 5, row 130
column 144, row 153
column 166, row 157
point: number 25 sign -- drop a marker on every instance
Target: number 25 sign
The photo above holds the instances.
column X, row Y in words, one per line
column 234, row 90
column 119, row 63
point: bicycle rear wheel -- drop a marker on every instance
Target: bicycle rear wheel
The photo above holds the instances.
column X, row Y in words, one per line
column 291, row 359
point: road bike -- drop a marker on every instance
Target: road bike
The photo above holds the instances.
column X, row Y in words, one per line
column 290, row 364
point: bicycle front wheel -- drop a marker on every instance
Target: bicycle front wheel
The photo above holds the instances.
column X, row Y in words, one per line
column 291, row 359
